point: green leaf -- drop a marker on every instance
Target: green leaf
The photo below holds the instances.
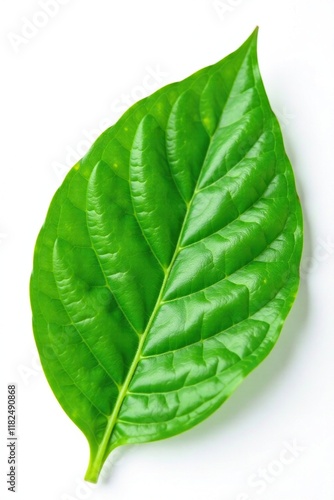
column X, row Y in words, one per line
column 168, row 260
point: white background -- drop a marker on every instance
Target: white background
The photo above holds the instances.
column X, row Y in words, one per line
column 58, row 87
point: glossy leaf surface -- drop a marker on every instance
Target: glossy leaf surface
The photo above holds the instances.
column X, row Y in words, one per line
column 169, row 259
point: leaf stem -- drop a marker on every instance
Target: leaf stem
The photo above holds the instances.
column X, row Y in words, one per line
column 93, row 470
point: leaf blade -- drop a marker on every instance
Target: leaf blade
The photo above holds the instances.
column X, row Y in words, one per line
column 190, row 303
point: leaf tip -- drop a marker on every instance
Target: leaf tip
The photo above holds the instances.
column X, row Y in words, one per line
column 249, row 45
column 252, row 39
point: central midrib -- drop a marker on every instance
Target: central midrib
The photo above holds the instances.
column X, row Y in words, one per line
column 104, row 446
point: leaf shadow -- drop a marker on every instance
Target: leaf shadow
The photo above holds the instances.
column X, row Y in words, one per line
column 111, row 466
